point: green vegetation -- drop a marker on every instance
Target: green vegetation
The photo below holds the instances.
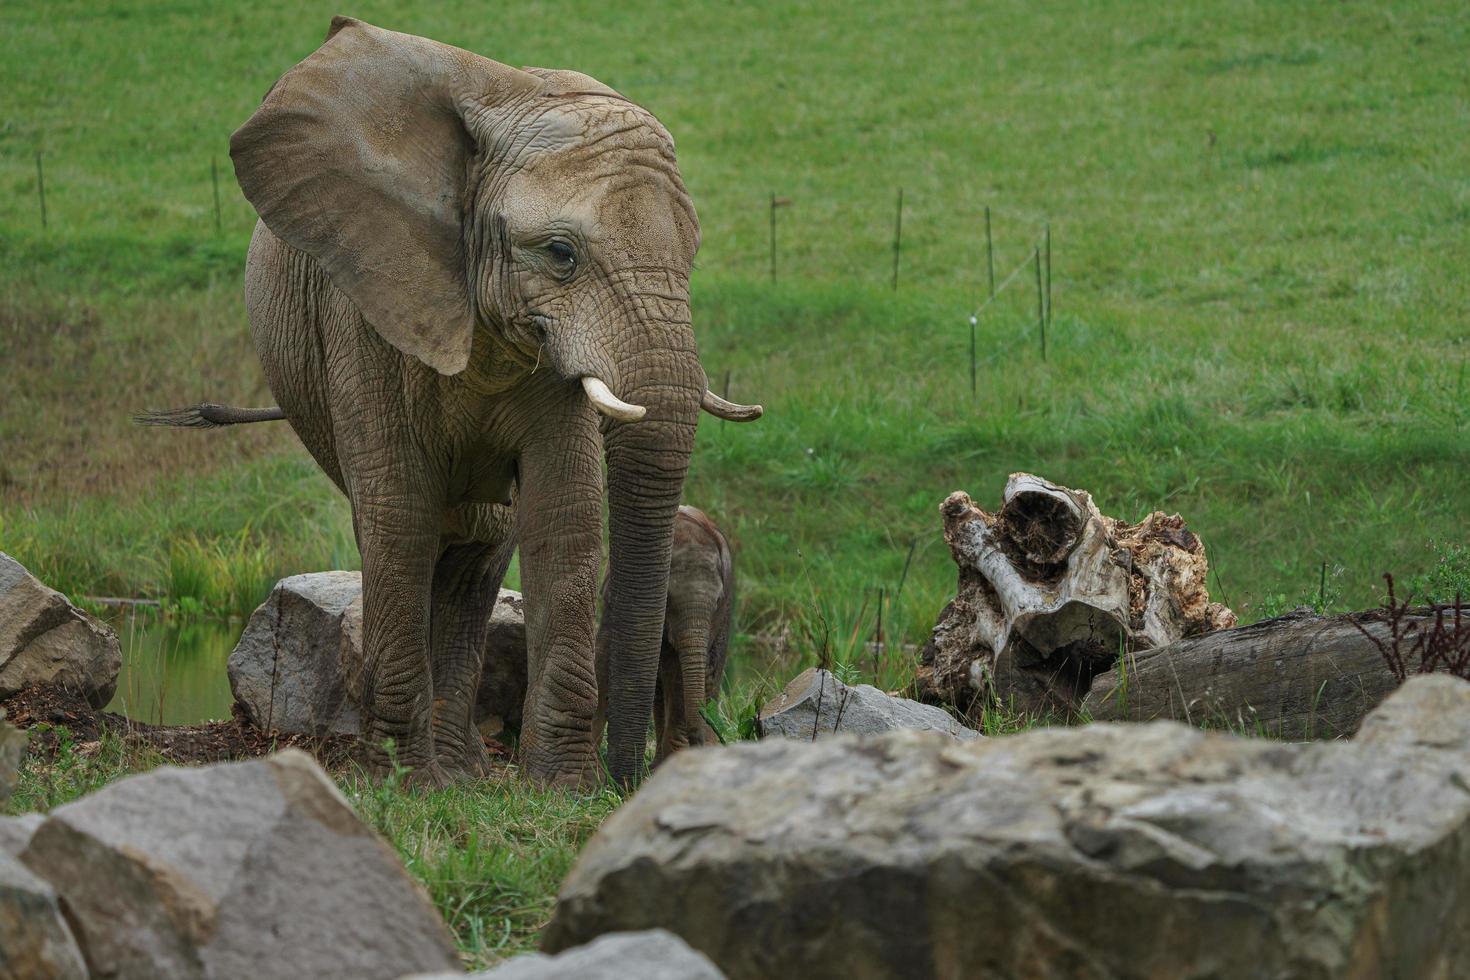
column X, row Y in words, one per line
column 491, row 855
column 1448, row 580
column 212, row 542
column 1257, row 249
column 1260, row 219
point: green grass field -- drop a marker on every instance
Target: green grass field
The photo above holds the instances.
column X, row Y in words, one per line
column 1260, row 217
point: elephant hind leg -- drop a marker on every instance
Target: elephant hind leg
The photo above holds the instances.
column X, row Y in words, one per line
column 467, row 579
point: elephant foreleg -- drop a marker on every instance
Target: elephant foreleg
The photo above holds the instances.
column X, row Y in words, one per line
column 466, row 581
column 399, row 541
column 559, row 516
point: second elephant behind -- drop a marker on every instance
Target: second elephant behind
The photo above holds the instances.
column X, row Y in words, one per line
column 696, row 636
column 696, row 640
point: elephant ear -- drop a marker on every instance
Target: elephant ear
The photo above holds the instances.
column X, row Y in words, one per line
column 360, row 157
column 563, row 82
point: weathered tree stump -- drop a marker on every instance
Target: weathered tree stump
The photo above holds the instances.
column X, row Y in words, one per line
column 1051, row 592
column 1299, row 676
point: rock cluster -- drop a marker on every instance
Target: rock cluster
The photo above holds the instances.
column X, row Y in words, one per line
column 296, row 667
column 816, row 704
column 1107, row 851
column 251, row 869
column 47, row 641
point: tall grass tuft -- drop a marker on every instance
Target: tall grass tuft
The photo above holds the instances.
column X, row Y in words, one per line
column 226, row 576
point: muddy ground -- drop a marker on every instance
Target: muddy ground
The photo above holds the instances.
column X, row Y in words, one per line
column 44, row 711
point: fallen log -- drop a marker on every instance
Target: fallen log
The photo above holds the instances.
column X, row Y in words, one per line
column 1300, row 676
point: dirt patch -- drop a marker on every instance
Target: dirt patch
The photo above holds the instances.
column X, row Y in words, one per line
column 68, row 430
column 43, row 711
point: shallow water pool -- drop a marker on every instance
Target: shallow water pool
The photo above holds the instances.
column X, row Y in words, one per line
column 173, row 673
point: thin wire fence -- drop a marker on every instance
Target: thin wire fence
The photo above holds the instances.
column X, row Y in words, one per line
column 1038, row 257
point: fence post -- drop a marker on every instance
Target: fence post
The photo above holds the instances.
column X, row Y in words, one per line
column 913, row 543
column 878, row 644
column 41, row 187
column 989, row 252
column 773, row 238
column 214, row 179
column 1040, row 307
column 1048, row 273
column 897, row 236
column 972, row 355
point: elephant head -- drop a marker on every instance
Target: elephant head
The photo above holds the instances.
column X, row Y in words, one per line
column 492, row 223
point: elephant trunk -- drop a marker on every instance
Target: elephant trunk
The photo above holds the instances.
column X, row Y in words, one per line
column 646, row 464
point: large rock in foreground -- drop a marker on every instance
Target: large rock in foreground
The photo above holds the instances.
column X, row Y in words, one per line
column 297, row 665
column 16, row 832
column 651, row 955
column 12, row 750
column 35, row 942
column 1102, row 852
column 816, row 704
column 254, row 869
column 46, row 641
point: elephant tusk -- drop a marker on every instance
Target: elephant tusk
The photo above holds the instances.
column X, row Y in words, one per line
column 609, row 404
column 729, row 411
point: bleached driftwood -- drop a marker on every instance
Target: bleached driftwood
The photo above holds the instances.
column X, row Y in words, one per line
column 1051, row 592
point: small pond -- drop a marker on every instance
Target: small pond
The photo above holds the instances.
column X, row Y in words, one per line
column 173, row 672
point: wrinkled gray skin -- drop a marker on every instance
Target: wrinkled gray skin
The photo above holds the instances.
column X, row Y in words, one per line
column 696, row 635
column 448, row 248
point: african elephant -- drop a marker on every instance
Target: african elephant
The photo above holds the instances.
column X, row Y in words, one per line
column 696, row 634
column 469, row 288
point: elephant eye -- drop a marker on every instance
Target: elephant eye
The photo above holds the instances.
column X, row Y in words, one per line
column 563, row 253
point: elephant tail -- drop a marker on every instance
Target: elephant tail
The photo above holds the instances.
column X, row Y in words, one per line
column 208, row 416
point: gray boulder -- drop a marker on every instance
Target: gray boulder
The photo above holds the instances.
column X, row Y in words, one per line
column 45, row 640
column 286, row 671
column 1110, row 851
column 502, row 691
column 35, row 943
column 651, row 955
column 12, row 751
column 16, row 832
column 252, row 869
column 1430, row 711
column 297, row 665
column 817, row 704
